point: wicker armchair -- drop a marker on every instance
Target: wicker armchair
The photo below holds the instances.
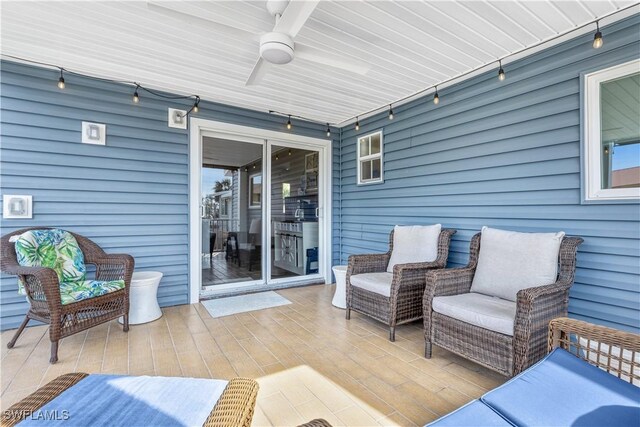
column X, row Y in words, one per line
column 43, row 291
column 535, row 308
column 404, row 304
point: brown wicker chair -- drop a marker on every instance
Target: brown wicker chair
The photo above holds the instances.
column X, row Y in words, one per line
column 404, row 305
column 535, row 308
column 43, row 291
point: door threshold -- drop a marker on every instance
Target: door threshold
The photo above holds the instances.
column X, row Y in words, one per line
column 221, row 293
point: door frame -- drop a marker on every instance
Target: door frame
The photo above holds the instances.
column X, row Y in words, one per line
column 198, row 127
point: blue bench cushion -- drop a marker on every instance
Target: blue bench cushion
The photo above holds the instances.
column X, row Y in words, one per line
column 562, row 390
column 474, row 413
column 118, row 400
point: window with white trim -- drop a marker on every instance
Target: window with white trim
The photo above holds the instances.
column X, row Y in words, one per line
column 611, row 133
column 370, row 158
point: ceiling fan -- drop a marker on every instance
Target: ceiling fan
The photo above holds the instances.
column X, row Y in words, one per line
column 277, row 46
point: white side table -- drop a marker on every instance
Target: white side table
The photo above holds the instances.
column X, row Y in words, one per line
column 143, row 297
column 340, row 297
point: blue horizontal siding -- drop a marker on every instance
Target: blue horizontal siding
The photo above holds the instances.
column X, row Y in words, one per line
column 506, row 155
column 129, row 196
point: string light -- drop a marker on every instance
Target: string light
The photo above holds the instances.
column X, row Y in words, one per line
column 328, row 130
column 357, row 123
column 195, row 105
column 136, row 97
column 501, row 75
column 390, row 112
column 61, row 80
column 289, row 153
column 597, row 37
column 289, row 125
column 277, row 157
column 436, row 98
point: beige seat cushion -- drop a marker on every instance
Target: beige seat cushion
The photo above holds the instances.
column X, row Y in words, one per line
column 380, row 283
column 495, row 314
column 414, row 243
column 510, row 261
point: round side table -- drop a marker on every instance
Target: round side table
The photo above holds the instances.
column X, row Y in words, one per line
column 340, row 297
column 143, row 297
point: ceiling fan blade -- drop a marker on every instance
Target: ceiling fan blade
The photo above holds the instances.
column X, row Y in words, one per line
column 321, row 57
column 258, row 72
column 294, row 17
column 181, row 11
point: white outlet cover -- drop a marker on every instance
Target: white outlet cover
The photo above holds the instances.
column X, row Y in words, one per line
column 94, row 133
column 17, row 206
column 177, row 118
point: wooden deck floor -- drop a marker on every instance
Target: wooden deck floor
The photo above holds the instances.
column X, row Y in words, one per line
column 310, row 361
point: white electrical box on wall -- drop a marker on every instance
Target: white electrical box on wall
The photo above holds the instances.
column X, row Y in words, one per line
column 94, row 133
column 177, row 118
column 17, row 206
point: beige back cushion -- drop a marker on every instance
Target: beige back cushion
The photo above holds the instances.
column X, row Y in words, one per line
column 414, row 243
column 510, row 261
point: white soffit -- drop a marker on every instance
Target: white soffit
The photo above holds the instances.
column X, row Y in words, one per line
column 407, row 45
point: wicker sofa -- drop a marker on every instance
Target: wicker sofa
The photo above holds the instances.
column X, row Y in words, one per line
column 403, row 304
column 586, row 380
column 508, row 352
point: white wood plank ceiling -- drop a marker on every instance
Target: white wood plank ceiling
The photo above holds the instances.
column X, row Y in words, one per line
column 210, row 47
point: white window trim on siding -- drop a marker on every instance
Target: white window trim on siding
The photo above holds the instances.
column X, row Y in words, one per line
column 591, row 142
column 370, row 157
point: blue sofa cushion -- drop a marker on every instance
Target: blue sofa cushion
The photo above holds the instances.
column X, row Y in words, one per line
column 474, row 413
column 562, row 390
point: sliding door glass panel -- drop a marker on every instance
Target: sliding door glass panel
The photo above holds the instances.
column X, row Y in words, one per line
column 231, row 212
column 295, row 177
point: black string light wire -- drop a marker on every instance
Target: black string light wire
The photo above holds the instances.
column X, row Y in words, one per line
column 597, row 43
column 138, row 87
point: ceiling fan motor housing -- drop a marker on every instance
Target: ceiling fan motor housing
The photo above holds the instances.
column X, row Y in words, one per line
column 276, row 48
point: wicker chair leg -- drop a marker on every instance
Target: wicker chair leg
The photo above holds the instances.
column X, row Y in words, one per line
column 54, row 352
column 125, row 322
column 427, row 350
column 348, row 314
column 11, row 343
column 392, row 333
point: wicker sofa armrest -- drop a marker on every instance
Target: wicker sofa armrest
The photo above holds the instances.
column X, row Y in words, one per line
column 535, row 308
column 411, row 275
column 615, row 351
column 41, row 283
column 369, row 263
column 115, row 267
column 448, row 281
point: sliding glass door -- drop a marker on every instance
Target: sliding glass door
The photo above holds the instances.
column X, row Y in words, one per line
column 294, row 211
column 261, row 213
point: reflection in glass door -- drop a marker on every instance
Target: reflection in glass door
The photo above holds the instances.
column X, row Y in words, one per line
column 231, row 210
column 294, row 212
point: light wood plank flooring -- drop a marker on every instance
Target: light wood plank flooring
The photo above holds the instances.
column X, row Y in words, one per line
column 310, row 361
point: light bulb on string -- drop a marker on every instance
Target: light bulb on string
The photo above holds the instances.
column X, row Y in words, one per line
column 597, row 37
column 357, row 123
column 289, row 125
column 328, row 130
column 61, row 84
column 390, row 112
column 136, row 97
column 195, row 105
column 501, row 74
column 436, row 98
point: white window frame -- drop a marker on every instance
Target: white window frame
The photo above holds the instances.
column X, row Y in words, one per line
column 370, row 157
column 591, row 135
